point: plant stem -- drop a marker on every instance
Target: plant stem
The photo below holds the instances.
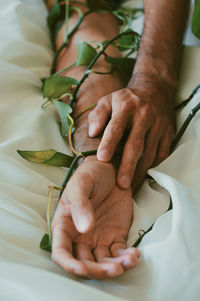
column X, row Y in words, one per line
column 174, row 144
column 70, row 137
column 86, row 74
column 56, row 57
column 130, row 52
column 79, row 23
column 150, row 228
column 76, row 158
column 85, row 110
column 185, row 102
column 101, row 73
column 49, row 209
column 46, row 103
column 90, row 153
column 141, row 236
column 72, row 166
column 60, row 71
column 78, row 10
column 66, row 20
column 185, row 125
column 64, row 44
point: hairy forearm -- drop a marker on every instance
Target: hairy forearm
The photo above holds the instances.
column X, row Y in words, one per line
column 161, row 43
column 157, row 64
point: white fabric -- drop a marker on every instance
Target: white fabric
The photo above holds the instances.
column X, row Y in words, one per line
column 170, row 263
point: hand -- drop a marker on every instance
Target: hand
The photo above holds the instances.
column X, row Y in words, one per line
column 92, row 203
column 148, row 114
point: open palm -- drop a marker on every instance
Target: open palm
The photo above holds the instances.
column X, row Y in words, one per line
column 100, row 252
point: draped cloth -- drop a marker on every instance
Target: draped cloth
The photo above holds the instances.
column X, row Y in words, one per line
column 170, row 261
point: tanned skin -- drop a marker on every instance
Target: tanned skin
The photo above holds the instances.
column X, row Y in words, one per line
column 94, row 215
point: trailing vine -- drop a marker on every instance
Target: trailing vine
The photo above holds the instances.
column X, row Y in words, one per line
column 56, row 87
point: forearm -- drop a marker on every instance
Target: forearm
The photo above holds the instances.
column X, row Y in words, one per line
column 95, row 86
column 161, row 43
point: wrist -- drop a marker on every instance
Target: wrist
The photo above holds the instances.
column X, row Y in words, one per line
column 154, row 83
column 112, row 164
column 154, row 70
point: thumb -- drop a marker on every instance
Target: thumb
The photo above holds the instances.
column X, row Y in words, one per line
column 78, row 191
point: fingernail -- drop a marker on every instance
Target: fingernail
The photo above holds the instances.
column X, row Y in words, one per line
column 103, row 155
column 125, row 181
column 92, row 129
column 84, row 222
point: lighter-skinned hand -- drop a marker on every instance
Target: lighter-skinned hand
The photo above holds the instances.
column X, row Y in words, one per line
column 91, row 224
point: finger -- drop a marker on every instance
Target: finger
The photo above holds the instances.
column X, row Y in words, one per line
column 83, row 252
column 111, row 137
column 131, row 154
column 101, row 253
column 98, row 269
column 147, row 158
column 103, row 270
column 127, row 257
column 62, row 252
column 78, row 193
column 163, row 150
column 99, row 116
column 62, row 255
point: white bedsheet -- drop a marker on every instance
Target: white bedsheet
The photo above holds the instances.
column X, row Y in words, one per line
column 170, row 262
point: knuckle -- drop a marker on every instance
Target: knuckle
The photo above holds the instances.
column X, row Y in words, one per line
column 126, row 107
column 146, row 112
column 137, row 144
column 103, row 101
column 129, row 93
column 101, row 106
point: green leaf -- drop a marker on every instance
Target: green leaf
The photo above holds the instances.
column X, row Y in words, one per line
column 196, row 19
column 45, row 244
column 54, row 15
column 85, row 54
column 64, row 110
column 127, row 41
column 56, row 86
column 125, row 64
column 49, row 157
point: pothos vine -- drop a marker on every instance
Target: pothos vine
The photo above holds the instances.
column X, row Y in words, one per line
column 56, row 86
